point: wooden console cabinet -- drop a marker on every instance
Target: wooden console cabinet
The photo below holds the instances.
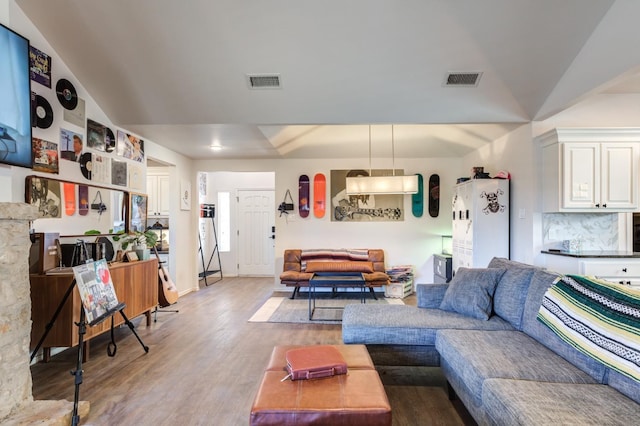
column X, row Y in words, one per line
column 136, row 284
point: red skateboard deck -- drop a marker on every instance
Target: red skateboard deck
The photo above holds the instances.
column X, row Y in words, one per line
column 319, row 195
column 83, row 200
column 69, row 198
column 303, row 194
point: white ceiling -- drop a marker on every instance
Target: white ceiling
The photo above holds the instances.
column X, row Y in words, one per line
column 175, row 72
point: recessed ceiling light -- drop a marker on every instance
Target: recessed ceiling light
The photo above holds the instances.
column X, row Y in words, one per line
column 215, row 148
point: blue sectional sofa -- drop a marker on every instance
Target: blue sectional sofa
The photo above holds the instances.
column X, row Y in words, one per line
column 507, row 367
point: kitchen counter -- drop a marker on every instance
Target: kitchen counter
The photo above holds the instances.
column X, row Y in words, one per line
column 604, row 254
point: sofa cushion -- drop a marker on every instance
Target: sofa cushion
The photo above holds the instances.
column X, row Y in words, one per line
column 511, row 291
column 405, row 325
column 623, row 384
column 376, row 278
column 477, row 355
column 521, row 402
column 540, row 282
column 470, row 292
column 295, row 276
column 340, row 267
column 332, row 255
column 430, row 295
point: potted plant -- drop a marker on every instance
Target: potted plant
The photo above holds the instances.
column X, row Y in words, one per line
column 140, row 242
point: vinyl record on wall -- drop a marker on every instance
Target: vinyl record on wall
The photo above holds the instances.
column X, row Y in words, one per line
column 110, row 140
column 85, row 165
column 43, row 113
column 67, row 94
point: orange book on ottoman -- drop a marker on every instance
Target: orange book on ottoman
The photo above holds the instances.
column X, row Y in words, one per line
column 313, row 362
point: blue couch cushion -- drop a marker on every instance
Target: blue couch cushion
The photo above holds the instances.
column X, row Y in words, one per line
column 624, row 385
column 471, row 291
column 479, row 355
column 540, row 282
column 521, row 402
column 511, row 291
column 405, row 325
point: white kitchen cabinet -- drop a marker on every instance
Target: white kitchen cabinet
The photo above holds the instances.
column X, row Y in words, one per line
column 620, row 270
column 590, row 170
column 158, row 195
column 480, row 222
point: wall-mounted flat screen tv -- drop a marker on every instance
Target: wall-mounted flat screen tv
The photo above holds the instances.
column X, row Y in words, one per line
column 15, row 99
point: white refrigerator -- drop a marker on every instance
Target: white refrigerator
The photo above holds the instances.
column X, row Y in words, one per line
column 480, row 222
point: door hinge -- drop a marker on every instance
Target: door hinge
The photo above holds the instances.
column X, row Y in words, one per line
column 238, row 267
column 237, row 199
column 238, row 232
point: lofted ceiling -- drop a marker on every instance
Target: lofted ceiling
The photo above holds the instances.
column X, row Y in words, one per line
column 176, row 72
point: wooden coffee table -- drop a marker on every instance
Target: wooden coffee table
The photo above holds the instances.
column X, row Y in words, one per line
column 335, row 280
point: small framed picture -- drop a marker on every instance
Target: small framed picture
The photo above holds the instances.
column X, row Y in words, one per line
column 131, row 256
column 137, row 213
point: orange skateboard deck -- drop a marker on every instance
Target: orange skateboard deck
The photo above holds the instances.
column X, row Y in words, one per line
column 69, row 198
column 83, row 200
column 303, row 193
column 319, row 195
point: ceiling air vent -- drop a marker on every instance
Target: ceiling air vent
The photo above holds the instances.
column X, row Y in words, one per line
column 465, row 79
column 264, row 81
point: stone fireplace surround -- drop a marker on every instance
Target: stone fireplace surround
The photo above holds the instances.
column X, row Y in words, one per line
column 17, row 406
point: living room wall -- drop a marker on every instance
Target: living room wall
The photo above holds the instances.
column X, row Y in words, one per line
column 412, row 241
column 12, row 179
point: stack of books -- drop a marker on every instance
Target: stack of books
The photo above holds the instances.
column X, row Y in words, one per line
column 401, row 281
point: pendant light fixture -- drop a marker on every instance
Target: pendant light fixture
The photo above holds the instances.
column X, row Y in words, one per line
column 382, row 185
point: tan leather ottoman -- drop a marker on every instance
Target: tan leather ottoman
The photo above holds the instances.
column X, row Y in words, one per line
column 355, row 398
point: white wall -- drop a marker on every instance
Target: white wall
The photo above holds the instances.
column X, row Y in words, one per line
column 183, row 238
column 516, row 154
column 413, row 241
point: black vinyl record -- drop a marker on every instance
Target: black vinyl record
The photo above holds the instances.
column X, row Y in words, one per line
column 67, row 94
column 85, row 165
column 109, row 140
column 43, row 113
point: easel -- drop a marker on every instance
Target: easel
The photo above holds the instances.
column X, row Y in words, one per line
column 208, row 210
column 82, row 329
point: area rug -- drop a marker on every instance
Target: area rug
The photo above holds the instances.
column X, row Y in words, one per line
column 283, row 309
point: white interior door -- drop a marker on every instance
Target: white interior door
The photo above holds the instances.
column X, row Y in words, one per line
column 256, row 244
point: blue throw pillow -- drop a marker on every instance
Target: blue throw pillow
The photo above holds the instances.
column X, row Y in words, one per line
column 470, row 292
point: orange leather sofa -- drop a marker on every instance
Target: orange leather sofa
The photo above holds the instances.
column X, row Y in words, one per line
column 297, row 271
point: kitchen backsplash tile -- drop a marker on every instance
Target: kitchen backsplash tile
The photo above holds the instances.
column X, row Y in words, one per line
column 596, row 231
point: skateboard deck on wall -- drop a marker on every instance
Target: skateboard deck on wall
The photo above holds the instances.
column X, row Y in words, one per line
column 434, row 195
column 319, row 195
column 417, row 199
column 83, row 200
column 303, row 194
column 69, row 198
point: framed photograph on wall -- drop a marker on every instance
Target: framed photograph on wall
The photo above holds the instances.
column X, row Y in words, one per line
column 137, row 213
column 45, row 195
column 185, row 195
column 363, row 208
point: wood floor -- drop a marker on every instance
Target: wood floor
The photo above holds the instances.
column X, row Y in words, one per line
column 205, row 362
